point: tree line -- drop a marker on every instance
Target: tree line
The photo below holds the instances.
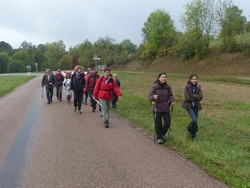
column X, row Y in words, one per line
column 204, row 22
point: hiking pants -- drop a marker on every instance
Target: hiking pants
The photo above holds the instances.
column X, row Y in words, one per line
column 105, row 110
column 162, row 130
column 78, row 99
column 49, row 94
column 93, row 102
column 59, row 92
column 114, row 100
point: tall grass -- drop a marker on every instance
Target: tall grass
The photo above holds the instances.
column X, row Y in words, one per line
column 9, row 83
column 222, row 147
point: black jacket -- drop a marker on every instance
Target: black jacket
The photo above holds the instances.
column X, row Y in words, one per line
column 77, row 84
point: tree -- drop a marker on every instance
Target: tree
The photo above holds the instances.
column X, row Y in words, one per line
column 6, row 47
column 198, row 21
column 74, row 61
column 104, row 48
column 55, row 52
column 231, row 22
column 40, row 58
column 4, row 60
column 157, row 32
column 16, row 66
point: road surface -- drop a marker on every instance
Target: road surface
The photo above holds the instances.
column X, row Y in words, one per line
column 50, row 146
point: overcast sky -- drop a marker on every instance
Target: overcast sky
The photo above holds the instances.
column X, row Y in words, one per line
column 74, row 21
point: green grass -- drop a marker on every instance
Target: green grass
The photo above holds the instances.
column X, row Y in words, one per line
column 222, row 147
column 9, row 83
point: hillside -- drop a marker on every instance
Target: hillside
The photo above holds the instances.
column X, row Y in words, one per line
column 224, row 65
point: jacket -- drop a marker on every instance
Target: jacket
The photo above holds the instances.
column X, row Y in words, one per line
column 59, row 79
column 165, row 97
column 192, row 98
column 77, row 84
column 104, row 88
column 48, row 81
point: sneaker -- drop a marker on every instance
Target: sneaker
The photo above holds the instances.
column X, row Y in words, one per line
column 100, row 115
column 79, row 111
column 159, row 141
column 75, row 109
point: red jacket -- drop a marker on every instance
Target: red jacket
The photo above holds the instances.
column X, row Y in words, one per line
column 104, row 88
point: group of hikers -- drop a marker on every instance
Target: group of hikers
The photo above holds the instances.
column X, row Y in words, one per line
column 104, row 91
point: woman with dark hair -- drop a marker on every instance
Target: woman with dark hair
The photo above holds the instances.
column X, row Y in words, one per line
column 161, row 98
column 193, row 95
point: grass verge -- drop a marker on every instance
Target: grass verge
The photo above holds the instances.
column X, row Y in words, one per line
column 9, row 83
column 222, row 147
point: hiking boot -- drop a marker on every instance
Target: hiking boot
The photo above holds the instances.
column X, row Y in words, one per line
column 106, row 124
column 159, row 141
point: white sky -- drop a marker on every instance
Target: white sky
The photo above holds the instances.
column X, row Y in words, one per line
column 74, row 21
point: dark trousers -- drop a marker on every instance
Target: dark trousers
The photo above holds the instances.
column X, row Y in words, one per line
column 49, row 94
column 114, row 100
column 78, row 99
column 161, row 128
column 59, row 92
column 93, row 102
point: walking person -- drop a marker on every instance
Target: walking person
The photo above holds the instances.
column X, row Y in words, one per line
column 77, row 85
column 103, row 92
column 193, row 95
column 115, row 97
column 59, row 84
column 91, row 80
column 161, row 98
column 48, row 81
column 85, row 93
column 66, row 84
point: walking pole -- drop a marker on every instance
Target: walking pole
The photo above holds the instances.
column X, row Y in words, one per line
column 42, row 92
column 154, row 125
column 99, row 103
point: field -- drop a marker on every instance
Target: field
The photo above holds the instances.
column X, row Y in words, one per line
column 222, row 147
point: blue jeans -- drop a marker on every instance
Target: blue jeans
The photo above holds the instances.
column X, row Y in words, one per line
column 193, row 114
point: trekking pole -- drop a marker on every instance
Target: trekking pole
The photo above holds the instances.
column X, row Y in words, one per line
column 99, row 103
column 154, row 125
column 42, row 92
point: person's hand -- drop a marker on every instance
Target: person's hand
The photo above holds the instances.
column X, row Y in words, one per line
column 172, row 103
column 120, row 98
column 155, row 97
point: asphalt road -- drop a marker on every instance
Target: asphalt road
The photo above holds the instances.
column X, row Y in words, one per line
column 50, row 146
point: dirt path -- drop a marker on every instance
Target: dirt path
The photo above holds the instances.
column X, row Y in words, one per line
column 52, row 146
